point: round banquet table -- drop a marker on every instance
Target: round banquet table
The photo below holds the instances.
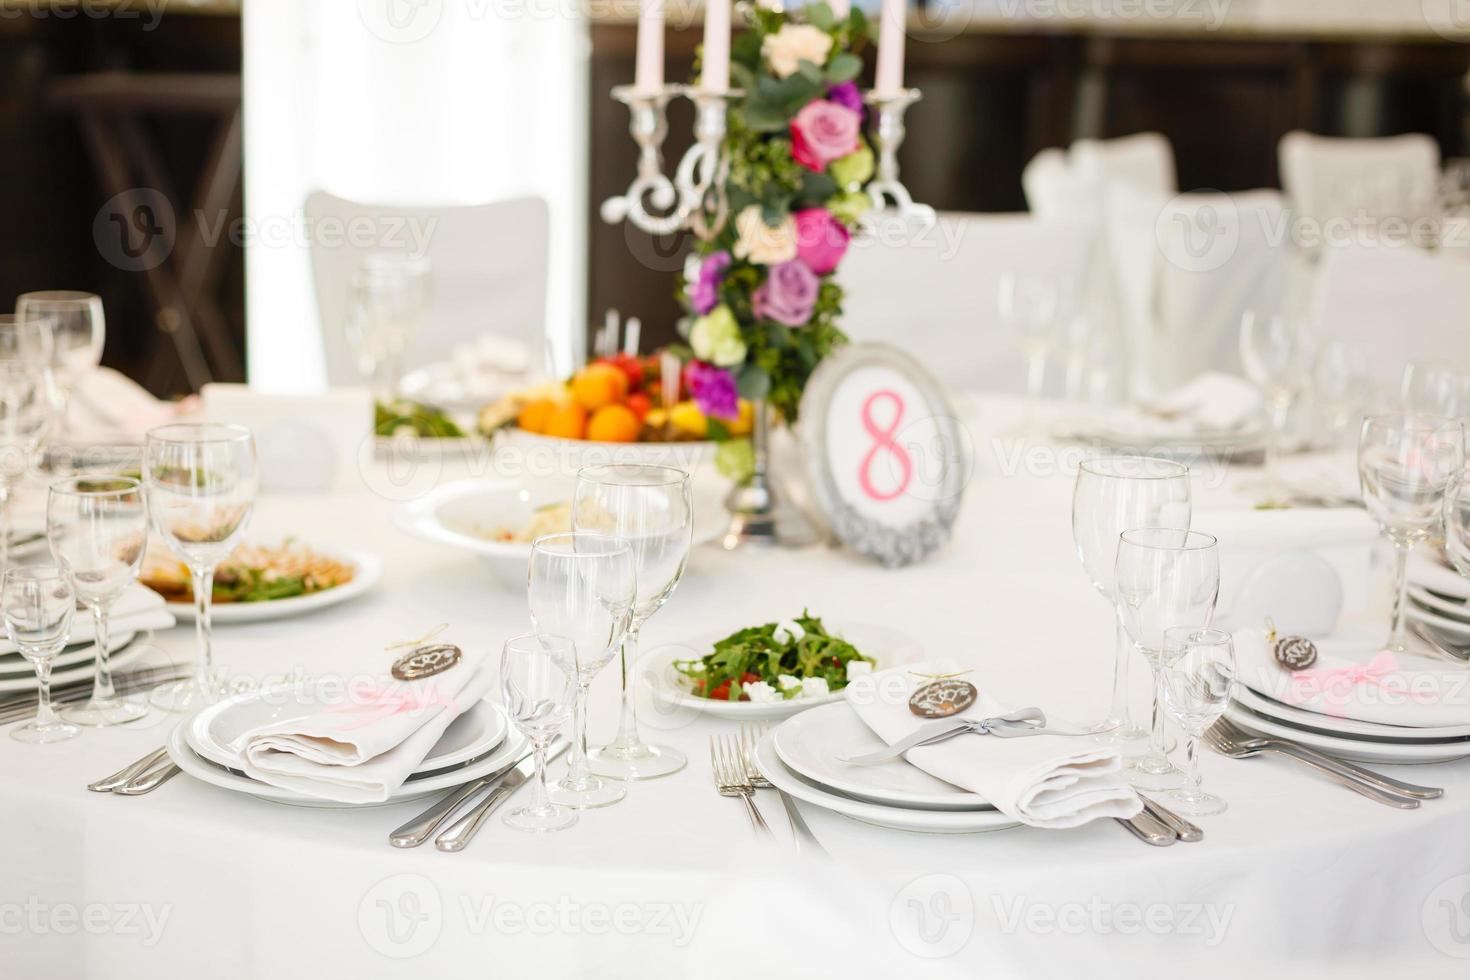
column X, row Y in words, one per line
column 1300, row 876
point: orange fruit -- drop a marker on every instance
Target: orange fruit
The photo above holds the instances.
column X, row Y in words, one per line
column 742, row 425
column 599, row 384
column 567, row 421
column 614, row 423
column 535, row 414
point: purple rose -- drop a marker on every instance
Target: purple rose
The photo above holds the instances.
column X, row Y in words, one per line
column 713, row 390
column 788, row 294
column 704, row 294
column 846, row 94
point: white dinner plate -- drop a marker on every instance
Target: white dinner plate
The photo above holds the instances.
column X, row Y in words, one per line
column 1346, row 727
column 367, row 569
column 810, row 742
column 892, row 817
column 1453, row 608
column 217, row 733
column 1428, row 569
column 1456, row 629
column 14, row 665
column 82, row 671
column 890, row 647
column 205, row 771
column 1358, row 750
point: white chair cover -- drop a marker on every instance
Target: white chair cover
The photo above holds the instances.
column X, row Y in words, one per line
column 1327, row 177
column 1143, row 160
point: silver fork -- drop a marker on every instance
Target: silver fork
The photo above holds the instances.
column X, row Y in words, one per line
column 1240, row 735
column 1225, row 745
column 731, row 779
column 806, row 841
column 749, row 735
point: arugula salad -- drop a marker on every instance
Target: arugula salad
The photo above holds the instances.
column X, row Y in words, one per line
column 795, row 658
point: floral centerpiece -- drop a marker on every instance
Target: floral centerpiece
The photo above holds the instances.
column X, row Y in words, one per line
column 761, row 299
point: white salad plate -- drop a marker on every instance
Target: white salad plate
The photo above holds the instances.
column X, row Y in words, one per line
column 1345, row 727
column 85, row 667
column 218, row 733
column 888, row 646
column 414, row 788
column 1456, row 629
column 366, row 570
column 809, row 743
column 1453, row 608
column 13, row 664
column 891, row 817
column 1356, row 749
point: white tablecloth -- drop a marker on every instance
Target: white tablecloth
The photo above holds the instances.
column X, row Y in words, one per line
column 1299, row 877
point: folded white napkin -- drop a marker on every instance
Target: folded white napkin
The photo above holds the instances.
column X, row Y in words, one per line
column 369, row 740
column 1213, row 401
column 1359, row 681
column 1048, row 781
column 109, row 405
column 137, row 609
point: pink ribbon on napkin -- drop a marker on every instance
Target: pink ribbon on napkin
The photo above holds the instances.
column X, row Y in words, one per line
column 1335, row 687
column 397, row 699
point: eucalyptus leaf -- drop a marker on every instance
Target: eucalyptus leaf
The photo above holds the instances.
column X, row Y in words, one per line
column 844, row 67
column 752, row 383
column 820, row 15
column 817, row 187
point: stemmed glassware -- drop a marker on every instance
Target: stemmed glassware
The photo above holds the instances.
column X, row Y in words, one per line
column 1198, row 673
column 1164, row 577
column 1342, row 380
column 1434, row 389
column 650, row 508
column 1405, row 464
column 38, row 603
column 78, row 331
column 98, row 529
column 391, row 292
column 26, row 340
column 538, row 680
column 201, row 481
column 27, row 414
column 581, row 585
column 1030, row 305
column 1111, row 495
column 1275, row 351
column 1456, row 516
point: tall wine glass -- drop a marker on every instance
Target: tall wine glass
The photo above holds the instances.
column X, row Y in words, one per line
column 1199, row 672
column 1111, row 495
column 650, row 508
column 27, row 414
column 98, row 529
column 29, row 340
column 538, row 680
column 1342, row 380
column 1428, row 388
column 1456, row 516
column 391, row 293
column 201, row 481
column 1405, row 463
column 1275, row 351
column 38, row 603
column 1029, row 305
column 581, row 585
column 1165, row 577
column 78, row 330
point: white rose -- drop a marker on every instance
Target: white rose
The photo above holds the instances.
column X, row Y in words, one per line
column 788, row 631
column 762, row 244
column 793, row 43
column 814, row 687
column 760, row 691
column 857, row 668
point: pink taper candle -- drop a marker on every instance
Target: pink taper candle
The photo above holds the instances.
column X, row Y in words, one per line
column 840, row 8
column 648, row 75
column 889, row 76
column 714, row 75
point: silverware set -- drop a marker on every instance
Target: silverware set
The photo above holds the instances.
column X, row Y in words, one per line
column 23, row 706
column 1230, row 740
column 733, row 769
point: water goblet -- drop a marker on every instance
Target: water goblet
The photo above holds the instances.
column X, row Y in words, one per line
column 1164, row 577
column 1456, row 518
column 78, row 330
column 201, row 482
column 1405, row 464
column 581, row 585
column 98, row 528
column 1111, row 495
column 538, row 679
column 651, row 509
column 1199, row 670
column 38, row 603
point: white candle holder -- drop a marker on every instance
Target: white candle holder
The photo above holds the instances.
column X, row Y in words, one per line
column 888, row 134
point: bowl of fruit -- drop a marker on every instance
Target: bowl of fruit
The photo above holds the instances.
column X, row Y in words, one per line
column 621, row 409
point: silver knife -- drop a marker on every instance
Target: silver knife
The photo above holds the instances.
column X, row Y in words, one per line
column 463, row 830
column 421, row 827
column 1148, row 829
column 805, row 839
column 1183, row 829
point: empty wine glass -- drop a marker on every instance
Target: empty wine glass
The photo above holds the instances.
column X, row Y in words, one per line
column 1435, row 389
column 78, row 331
column 1456, row 516
column 27, row 414
column 1029, row 305
column 538, row 679
column 581, row 585
column 1165, row 576
column 1111, row 495
column 1198, row 673
column 650, row 508
column 1342, row 379
column 98, row 528
column 29, row 340
column 1405, row 463
column 1275, row 352
column 391, row 293
column 201, row 481
column 38, row 603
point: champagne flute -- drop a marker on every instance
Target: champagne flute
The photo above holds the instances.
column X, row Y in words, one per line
column 538, row 679
column 581, row 585
column 650, row 508
column 1165, row 576
column 1111, row 495
column 1199, row 671
column 1274, row 351
column 201, row 481
column 98, row 528
column 27, row 413
column 38, row 603
column 1405, row 464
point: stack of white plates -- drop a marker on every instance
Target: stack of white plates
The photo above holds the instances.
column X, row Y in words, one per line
column 1131, row 430
column 77, row 662
column 1439, row 602
column 210, row 746
column 799, row 758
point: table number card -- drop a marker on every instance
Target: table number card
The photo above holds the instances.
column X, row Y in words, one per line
column 885, row 453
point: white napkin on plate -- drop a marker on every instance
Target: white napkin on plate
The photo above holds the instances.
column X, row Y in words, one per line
column 1213, row 401
column 362, row 747
column 1358, row 680
column 1049, row 781
column 137, row 609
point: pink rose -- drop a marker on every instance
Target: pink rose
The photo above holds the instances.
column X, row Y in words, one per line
column 821, row 240
column 788, row 295
column 822, row 132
